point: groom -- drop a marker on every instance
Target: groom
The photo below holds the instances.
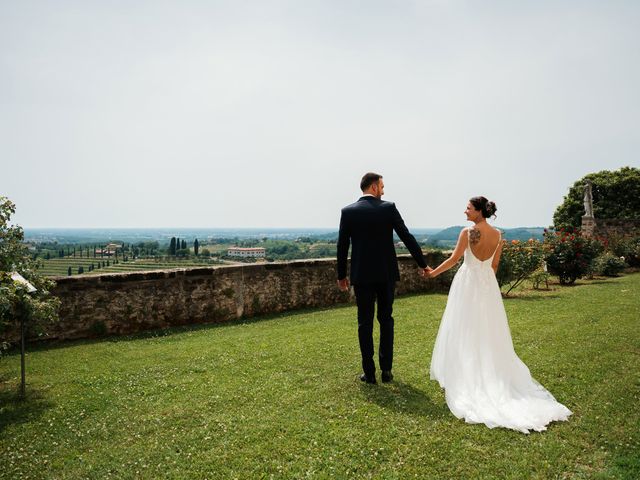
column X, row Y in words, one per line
column 368, row 225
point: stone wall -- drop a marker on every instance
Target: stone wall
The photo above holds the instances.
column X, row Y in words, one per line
column 619, row 228
column 115, row 304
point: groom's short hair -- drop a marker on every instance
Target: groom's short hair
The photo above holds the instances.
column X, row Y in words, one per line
column 369, row 179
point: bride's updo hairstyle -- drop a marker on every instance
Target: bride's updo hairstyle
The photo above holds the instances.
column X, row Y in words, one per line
column 487, row 208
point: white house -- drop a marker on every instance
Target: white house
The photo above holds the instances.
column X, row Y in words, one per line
column 108, row 250
column 257, row 252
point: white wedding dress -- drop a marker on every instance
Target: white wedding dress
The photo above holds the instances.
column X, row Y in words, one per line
column 474, row 360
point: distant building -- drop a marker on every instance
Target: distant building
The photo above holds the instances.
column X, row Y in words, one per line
column 257, row 252
column 108, row 250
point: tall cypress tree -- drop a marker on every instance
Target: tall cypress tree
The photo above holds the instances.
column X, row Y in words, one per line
column 172, row 246
column 184, row 244
column 196, row 246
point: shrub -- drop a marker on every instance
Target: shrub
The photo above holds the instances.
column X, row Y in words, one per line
column 518, row 261
column 37, row 308
column 569, row 254
column 627, row 247
column 608, row 265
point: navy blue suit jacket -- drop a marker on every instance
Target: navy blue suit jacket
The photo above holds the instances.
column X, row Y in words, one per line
column 368, row 225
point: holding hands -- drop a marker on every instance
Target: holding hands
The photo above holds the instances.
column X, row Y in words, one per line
column 426, row 272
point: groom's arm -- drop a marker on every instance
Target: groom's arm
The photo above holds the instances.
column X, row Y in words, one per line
column 344, row 238
column 408, row 239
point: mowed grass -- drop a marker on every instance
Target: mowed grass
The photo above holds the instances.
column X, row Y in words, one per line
column 278, row 398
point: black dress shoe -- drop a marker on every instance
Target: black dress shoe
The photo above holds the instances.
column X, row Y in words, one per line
column 368, row 379
column 387, row 376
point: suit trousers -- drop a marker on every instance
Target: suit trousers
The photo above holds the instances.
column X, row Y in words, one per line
column 366, row 297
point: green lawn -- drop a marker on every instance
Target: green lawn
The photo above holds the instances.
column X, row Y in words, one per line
column 279, row 398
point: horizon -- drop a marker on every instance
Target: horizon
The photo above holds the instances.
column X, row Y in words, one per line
column 253, row 228
column 84, row 235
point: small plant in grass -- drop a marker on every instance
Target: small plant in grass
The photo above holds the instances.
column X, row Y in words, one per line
column 539, row 278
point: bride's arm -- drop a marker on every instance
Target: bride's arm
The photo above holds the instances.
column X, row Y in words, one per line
column 496, row 257
column 463, row 240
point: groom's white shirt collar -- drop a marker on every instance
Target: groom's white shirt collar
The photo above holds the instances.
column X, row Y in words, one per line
column 368, row 195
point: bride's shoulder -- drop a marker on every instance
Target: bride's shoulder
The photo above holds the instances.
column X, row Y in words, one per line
column 463, row 236
column 496, row 234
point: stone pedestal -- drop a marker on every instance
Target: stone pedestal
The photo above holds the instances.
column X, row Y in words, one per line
column 588, row 226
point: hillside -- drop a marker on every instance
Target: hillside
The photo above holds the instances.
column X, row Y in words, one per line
column 449, row 236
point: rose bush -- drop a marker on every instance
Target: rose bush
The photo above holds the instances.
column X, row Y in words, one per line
column 568, row 254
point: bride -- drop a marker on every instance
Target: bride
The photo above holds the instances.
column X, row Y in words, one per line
column 473, row 357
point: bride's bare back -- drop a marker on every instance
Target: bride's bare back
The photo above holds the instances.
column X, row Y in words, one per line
column 483, row 241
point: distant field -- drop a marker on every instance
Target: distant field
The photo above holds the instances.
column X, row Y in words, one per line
column 60, row 266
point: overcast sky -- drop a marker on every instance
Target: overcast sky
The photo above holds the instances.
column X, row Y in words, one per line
column 267, row 113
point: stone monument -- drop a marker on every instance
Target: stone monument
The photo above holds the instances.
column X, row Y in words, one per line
column 588, row 220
